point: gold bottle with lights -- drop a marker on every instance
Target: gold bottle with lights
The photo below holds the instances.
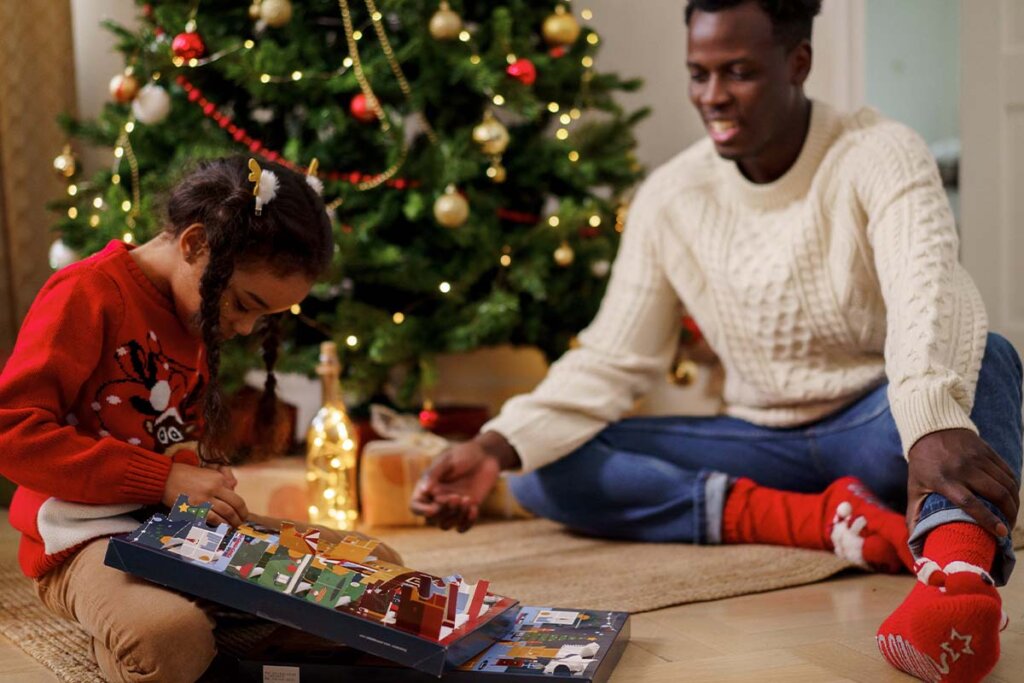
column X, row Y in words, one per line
column 331, row 452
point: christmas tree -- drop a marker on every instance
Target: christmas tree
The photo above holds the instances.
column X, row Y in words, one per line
column 473, row 159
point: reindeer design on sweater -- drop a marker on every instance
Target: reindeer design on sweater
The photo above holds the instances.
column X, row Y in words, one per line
column 157, row 388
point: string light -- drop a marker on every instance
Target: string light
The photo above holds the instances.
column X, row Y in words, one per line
column 376, row 16
column 129, row 238
column 593, row 39
column 499, row 100
column 506, row 260
column 126, row 206
column 510, row 58
column 129, row 127
column 352, row 340
column 73, row 213
column 72, row 189
column 398, row 318
column 119, row 152
column 295, row 309
column 565, row 119
column 474, row 59
column 587, row 14
column 575, row 113
column 98, row 202
column 562, row 134
column 249, row 44
column 553, row 107
column 265, row 78
column 574, row 156
column 595, row 221
column 445, row 287
column 347, row 62
column 115, row 179
column 464, row 36
column 553, row 221
column 357, row 35
column 335, row 463
column 587, row 62
column 94, row 220
column 296, row 75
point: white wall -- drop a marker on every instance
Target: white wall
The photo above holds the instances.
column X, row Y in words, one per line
column 912, row 63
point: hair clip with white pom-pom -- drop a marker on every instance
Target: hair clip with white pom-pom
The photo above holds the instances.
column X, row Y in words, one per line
column 312, row 180
column 264, row 185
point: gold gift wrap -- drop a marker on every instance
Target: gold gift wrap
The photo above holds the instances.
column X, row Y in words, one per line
column 389, row 471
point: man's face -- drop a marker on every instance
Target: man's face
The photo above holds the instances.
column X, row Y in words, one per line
column 743, row 81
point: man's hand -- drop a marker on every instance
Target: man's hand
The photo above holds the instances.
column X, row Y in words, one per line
column 206, row 485
column 959, row 465
column 450, row 492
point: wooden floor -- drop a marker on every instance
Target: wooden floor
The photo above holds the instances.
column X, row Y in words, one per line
column 813, row 634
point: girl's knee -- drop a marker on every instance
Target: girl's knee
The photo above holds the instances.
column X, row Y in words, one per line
column 162, row 646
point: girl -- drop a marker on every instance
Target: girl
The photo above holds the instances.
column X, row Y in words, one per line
column 110, row 400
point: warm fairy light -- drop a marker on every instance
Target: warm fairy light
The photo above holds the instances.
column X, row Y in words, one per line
column 335, row 463
column 129, row 238
column 72, row 213
column 119, row 152
column 295, row 309
column 329, row 494
column 178, row 61
column 296, row 75
column 314, row 511
column 249, row 44
column 574, row 156
column 587, row 14
column 445, row 287
column 553, row 221
column 553, row 107
column 587, row 62
column 116, row 179
column 593, row 39
column 562, row 134
column 347, row 62
column 506, row 260
column 126, row 206
column 595, row 221
column 357, row 35
column 565, row 119
column 129, row 127
column 352, row 340
column 376, row 16
column 348, row 444
column 575, row 113
column 156, row 76
column 398, row 318
column 310, row 476
column 510, row 58
column 265, row 78
column 98, row 202
column 94, row 220
column 474, row 59
column 464, row 36
column 499, row 100
column 72, row 189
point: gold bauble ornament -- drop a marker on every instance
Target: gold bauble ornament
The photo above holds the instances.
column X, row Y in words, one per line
column 560, row 28
column 446, row 24
column 491, row 135
column 564, row 255
column 276, row 13
column 684, row 373
column 124, row 87
column 496, row 172
column 65, row 163
column 451, row 209
column 255, row 11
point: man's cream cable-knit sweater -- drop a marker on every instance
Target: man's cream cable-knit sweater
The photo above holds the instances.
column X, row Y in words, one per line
column 812, row 290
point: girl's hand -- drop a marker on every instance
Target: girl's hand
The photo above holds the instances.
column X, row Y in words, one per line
column 206, row 485
column 229, row 476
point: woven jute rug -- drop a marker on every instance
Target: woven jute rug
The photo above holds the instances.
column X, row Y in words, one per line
column 534, row 561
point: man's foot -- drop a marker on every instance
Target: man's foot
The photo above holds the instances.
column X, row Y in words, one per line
column 947, row 629
column 845, row 518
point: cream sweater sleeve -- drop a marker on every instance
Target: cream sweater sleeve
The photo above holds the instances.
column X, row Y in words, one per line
column 936, row 325
column 629, row 343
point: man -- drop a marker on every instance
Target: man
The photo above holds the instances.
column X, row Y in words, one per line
column 818, row 254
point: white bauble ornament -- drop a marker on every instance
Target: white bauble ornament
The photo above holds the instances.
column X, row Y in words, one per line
column 152, row 104
column 600, row 268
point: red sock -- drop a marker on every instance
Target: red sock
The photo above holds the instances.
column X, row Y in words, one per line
column 947, row 629
column 845, row 518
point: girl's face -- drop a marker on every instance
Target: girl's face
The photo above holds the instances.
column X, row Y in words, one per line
column 254, row 290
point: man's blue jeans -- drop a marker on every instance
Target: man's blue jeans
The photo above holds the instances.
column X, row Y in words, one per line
column 666, row 478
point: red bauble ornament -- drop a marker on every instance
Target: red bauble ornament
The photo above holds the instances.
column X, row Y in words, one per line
column 558, row 51
column 523, row 71
column 428, row 418
column 694, row 335
column 188, row 45
column 361, row 110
